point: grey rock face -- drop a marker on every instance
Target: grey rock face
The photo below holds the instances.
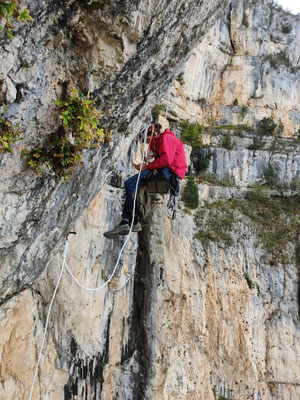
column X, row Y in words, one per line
column 244, row 167
column 126, row 54
column 249, row 59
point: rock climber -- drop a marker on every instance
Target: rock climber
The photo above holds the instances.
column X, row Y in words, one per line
column 169, row 158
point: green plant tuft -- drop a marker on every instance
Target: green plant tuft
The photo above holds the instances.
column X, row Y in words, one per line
column 277, row 60
column 180, row 78
column 207, row 177
column 270, row 176
column 227, row 142
column 266, row 126
column 274, row 220
column 257, row 144
column 191, row 134
column 286, row 28
column 244, row 110
column 158, row 110
column 8, row 135
column 190, row 194
column 204, row 161
column 9, row 12
column 79, row 131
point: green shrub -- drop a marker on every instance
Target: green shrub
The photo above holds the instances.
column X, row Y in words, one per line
column 79, row 131
column 274, row 5
column 279, row 128
column 8, row 135
column 274, row 220
column 257, row 194
column 278, row 59
column 266, row 126
column 204, row 161
column 295, row 186
column 257, row 144
column 211, row 178
column 180, row 78
column 9, row 11
column 158, row 110
column 190, row 194
column 191, row 134
column 286, row 29
column 244, row 111
column 250, row 283
column 276, row 223
column 235, row 102
column 270, row 176
column 215, row 222
column 227, row 142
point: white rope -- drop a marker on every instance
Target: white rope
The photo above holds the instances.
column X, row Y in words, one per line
column 64, row 264
column 168, row 104
column 48, row 318
column 127, row 236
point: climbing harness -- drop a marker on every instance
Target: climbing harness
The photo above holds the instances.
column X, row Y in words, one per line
column 174, row 186
column 64, row 265
column 156, row 182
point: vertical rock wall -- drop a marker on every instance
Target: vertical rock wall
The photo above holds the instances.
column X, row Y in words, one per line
column 247, row 68
column 226, row 318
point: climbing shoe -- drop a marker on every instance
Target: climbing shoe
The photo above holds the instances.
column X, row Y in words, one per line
column 136, row 227
column 122, row 229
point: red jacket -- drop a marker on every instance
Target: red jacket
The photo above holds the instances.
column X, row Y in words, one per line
column 170, row 153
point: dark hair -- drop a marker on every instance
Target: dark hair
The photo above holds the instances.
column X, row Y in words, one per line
column 157, row 127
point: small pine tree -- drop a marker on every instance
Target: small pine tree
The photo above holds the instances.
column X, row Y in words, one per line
column 190, row 193
column 270, row 175
column 266, row 126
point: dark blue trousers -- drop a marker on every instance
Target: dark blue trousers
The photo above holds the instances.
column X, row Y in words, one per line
column 130, row 185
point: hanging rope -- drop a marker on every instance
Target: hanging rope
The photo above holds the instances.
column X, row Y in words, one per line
column 64, row 264
column 47, row 320
column 168, row 104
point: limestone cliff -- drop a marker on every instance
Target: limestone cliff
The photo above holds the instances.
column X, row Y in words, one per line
column 226, row 323
column 246, row 68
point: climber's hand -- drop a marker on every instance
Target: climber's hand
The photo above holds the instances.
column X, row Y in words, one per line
column 138, row 166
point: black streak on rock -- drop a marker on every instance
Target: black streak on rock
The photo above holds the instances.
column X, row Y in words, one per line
column 87, row 370
column 138, row 341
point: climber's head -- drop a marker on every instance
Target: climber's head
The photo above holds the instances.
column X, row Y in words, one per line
column 157, row 128
column 149, row 129
column 150, row 133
